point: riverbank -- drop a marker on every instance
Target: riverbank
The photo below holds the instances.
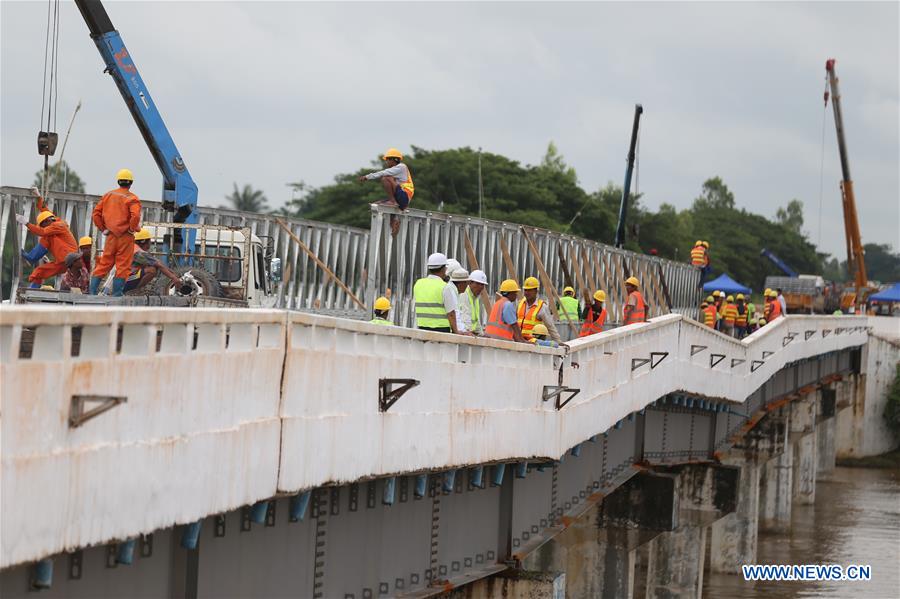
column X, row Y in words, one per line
column 889, row 460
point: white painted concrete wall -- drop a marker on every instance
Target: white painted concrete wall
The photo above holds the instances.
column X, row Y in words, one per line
column 292, row 403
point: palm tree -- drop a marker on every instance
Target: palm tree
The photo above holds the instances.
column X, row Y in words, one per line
column 247, row 199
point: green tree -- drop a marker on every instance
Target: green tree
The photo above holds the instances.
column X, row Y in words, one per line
column 555, row 164
column 714, row 194
column 882, row 263
column 62, row 178
column 247, row 199
column 791, row 217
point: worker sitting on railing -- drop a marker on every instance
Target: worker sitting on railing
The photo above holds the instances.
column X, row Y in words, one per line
column 635, row 309
column 594, row 315
column 77, row 276
column 381, row 308
column 54, row 237
column 533, row 310
column 503, row 323
column 397, row 183
column 145, row 266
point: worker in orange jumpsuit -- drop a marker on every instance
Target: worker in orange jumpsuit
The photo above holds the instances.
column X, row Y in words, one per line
column 54, row 237
column 118, row 216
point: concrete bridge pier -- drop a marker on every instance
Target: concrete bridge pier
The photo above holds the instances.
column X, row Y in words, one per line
column 803, row 438
column 676, row 559
column 733, row 538
column 776, row 479
column 826, row 431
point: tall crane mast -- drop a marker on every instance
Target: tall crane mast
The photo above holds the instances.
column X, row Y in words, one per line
column 856, row 264
column 179, row 192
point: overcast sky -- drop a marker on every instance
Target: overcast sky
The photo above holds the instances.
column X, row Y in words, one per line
column 271, row 92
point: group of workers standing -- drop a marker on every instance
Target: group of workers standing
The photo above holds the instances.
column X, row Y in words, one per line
column 735, row 316
column 118, row 217
column 449, row 300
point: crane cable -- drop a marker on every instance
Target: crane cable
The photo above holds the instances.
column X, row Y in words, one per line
column 50, row 84
column 822, row 161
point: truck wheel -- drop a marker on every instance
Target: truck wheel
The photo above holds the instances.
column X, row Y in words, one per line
column 204, row 283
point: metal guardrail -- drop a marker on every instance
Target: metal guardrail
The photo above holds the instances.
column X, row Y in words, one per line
column 304, row 287
column 396, row 262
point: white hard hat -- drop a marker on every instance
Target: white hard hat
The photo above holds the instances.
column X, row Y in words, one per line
column 437, row 260
column 453, row 264
column 459, row 275
column 478, row 276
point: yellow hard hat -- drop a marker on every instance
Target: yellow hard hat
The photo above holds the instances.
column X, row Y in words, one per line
column 382, row 303
column 698, row 242
column 720, row 293
column 761, row 321
column 44, row 216
column 710, row 299
column 569, row 290
column 142, row 235
column 730, row 298
column 393, row 153
column 124, row 175
column 86, row 240
column 740, row 296
column 706, row 244
column 539, row 329
column 632, row 281
column 531, row 283
column 600, row 295
column 509, row 285
column 767, row 291
column 773, row 293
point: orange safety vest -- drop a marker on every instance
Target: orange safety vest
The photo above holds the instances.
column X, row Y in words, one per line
column 528, row 317
column 637, row 314
column 698, row 255
column 408, row 186
column 592, row 326
column 709, row 316
column 496, row 328
column 774, row 310
column 730, row 313
column 741, row 319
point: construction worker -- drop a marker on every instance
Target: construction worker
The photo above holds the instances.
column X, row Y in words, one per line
column 85, row 245
column 594, row 315
column 742, row 317
column 503, row 322
column 533, row 310
column 781, row 301
column 77, row 276
column 539, row 336
column 698, row 255
column 54, row 237
column 719, row 301
column 729, row 316
column 773, row 306
column 635, row 309
column 397, row 182
column 145, row 266
column 567, row 307
column 709, row 312
column 435, row 300
column 752, row 315
column 380, row 312
column 459, row 282
column 472, row 317
column 118, row 216
column 760, row 323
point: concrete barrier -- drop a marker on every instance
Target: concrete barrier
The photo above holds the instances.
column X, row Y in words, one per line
column 227, row 407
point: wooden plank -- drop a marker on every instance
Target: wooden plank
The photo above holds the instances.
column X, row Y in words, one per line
column 510, row 266
column 321, row 264
column 585, row 292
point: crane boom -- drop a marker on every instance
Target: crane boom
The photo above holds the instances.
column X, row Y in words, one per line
column 856, row 263
column 781, row 264
column 179, row 192
column 626, row 190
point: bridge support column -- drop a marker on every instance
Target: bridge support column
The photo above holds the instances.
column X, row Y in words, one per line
column 704, row 495
column 775, row 478
column 826, row 432
column 803, row 438
column 733, row 538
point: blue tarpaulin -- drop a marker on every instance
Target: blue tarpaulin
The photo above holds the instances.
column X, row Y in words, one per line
column 891, row 294
column 726, row 284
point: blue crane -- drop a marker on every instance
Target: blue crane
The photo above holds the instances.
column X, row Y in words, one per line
column 179, row 194
column 779, row 263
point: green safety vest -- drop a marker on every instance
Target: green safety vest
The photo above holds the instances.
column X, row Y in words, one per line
column 429, row 297
column 569, row 311
column 475, row 304
column 382, row 321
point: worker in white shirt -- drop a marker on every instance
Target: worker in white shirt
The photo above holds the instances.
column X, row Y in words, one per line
column 471, row 311
column 435, row 301
column 782, row 301
column 459, row 280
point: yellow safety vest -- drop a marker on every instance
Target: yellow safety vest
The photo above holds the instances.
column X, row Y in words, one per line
column 698, row 255
column 475, row 311
column 528, row 317
column 429, row 297
column 382, row 322
column 569, row 311
column 408, row 186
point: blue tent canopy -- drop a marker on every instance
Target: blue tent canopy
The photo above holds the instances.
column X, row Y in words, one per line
column 726, row 284
column 891, row 294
